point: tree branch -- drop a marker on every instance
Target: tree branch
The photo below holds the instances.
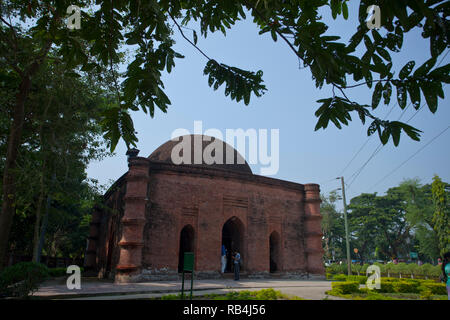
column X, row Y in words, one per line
column 282, row 36
column 187, row 39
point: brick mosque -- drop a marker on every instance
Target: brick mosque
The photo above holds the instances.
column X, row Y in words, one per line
column 158, row 210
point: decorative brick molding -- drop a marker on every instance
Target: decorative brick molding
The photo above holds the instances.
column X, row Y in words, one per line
column 313, row 230
column 133, row 220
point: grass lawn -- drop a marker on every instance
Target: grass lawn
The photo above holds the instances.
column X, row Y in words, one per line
column 384, row 296
column 264, row 294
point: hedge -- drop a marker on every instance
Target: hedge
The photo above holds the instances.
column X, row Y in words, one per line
column 390, row 285
column 406, row 287
column 403, row 270
column 435, row 288
column 340, row 277
column 386, row 287
column 22, row 279
column 345, row 287
column 360, row 279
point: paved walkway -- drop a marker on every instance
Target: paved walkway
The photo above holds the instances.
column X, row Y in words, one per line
column 94, row 289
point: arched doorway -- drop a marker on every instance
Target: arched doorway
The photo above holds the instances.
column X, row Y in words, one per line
column 274, row 244
column 233, row 239
column 186, row 244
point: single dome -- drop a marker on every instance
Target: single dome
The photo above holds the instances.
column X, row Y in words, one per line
column 164, row 153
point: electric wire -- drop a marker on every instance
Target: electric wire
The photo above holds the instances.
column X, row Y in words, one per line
column 412, row 156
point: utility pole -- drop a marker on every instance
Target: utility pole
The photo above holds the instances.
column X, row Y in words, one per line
column 347, row 241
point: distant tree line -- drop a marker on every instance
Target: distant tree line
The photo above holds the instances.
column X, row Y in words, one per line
column 409, row 218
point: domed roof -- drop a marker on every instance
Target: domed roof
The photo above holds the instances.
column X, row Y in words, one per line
column 164, row 153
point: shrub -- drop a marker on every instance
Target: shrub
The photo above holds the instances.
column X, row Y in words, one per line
column 359, row 279
column 388, row 268
column 435, row 288
column 435, row 271
column 385, row 286
column 340, row 277
column 345, row 287
column 380, row 265
column 413, row 269
column 336, row 268
column 389, row 279
column 426, row 294
column 427, row 269
column 22, row 279
column 268, row 294
column 356, row 268
column 406, row 287
column 402, row 269
column 374, row 295
column 428, row 281
column 59, row 272
column 364, row 268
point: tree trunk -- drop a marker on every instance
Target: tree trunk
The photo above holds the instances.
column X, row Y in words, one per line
column 37, row 223
column 36, row 252
column 43, row 230
column 9, row 176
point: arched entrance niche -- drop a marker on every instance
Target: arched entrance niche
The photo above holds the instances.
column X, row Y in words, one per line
column 233, row 239
column 186, row 244
column 274, row 259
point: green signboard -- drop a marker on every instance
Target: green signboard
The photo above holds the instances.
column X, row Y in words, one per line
column 188, row 261
column 413, row 255
column 188, row 265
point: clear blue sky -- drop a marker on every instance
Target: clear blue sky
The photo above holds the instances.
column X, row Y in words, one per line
column 306, row 156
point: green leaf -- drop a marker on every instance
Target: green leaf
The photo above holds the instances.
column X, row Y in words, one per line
column 382, row 52
column 387, row 92
column 425, row 68
column 376, row 96
column 273, row 34
column 412, row 132
column 335, row 8
column 406, row 70
column 376, row 37
column 239, row 84
column 345, row 10
column 441, row 74
column 430, row 96
column 414, row 93
column 384, row 137
column 395, row 132
column 368, row 43
column 195, row 36
column 401, row 96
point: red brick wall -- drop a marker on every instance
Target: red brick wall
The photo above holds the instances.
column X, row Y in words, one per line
column 177, row 196
column 206, row 203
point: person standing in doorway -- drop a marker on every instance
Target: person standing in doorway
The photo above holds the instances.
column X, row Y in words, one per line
column 237, row 260
column 223, row 258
